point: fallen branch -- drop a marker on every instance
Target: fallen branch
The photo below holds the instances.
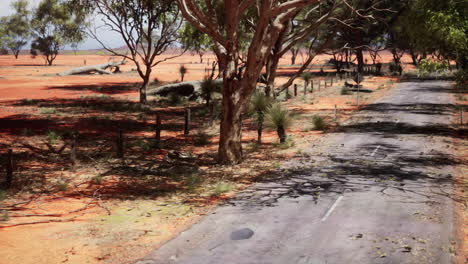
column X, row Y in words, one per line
column 99, row 68
column 40, row 222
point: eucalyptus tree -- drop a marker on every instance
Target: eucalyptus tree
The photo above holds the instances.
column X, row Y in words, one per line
column 147, row 27
column 194, row 40
column 241, row 61
column 17, row 27
column 307, row 29
column 435, row 27
column 54, row 24
column 363, row 21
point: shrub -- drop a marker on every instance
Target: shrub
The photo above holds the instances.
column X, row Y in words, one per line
column 27, row 132
column 182, row 70
column 62, row 186
column 280, row 119
column 201, row 138
column 48, row 111
column 193, row 181
column 208, row 87
column 259, row 104
column 345, row 91
column 432, row 66
column 174, row 99
column 4, row 216
column 318, row 123
column 53, row 137
column 222, row 187
column 97, row 180
column 395, row 68
column 461, row 78
column 358, row 78
column 2, row 195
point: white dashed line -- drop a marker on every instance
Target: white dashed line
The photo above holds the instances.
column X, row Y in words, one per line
column 332, row 208
column 375, row 150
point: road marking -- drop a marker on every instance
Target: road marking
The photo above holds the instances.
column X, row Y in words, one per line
column 332, row 208
column 375, row 150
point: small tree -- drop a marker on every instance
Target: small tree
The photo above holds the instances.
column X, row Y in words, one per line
column 17, row 27
column 208, row 87
column 307, row 76
column 259, row 104
column 358, row 78
column 147, row 27
column 280, row 119
column 182, row 70
column 55, row 24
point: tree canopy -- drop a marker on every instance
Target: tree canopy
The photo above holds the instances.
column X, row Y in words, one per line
column 56, row 23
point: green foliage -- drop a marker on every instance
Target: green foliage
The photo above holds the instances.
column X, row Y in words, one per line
column 259, row 103
column 53, row 137
column 222, row 187
column 56, row 23
column 62, row 186
column 194, row 40
column 432, row 66
column 3, row 195
column 27, row 132
column 208, row 87
column 279, row 117
column 4, row 216
column 461, row 78
column 307, row 76
column 48, row 111
column 433, row 26
column 319, row 123
column 97, row 180
column 345, row 91
column 17, row 27
column 193, row 181
column 175, row 99
column 288, row 143
column 201, row 138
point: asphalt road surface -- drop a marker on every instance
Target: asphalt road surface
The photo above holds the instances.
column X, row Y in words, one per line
column 376, row 191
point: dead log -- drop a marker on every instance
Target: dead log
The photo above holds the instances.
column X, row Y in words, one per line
column 99, row 68
column 191, row 89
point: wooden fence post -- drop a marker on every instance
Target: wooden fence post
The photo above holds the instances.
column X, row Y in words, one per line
column 212, row 113
column 461, row 115
column 187, row 122
column 9, row 169
column 319, row 83
column 158, row 131
column 120, row 144
column 336, row 114
column 73, row 152
column 295, row 90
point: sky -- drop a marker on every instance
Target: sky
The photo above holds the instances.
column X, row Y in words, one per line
column 110, row 38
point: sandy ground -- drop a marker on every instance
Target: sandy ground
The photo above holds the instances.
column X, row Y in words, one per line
column 83, row 224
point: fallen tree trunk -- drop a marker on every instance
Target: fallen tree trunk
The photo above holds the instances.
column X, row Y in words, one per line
column 192, row 88
column 100, row 68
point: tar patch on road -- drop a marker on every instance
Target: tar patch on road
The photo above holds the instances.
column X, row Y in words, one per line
column 242, row 234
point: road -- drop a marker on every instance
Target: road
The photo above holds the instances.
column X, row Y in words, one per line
column 376, row 191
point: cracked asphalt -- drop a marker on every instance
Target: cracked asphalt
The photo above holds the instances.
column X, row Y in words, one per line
column 378, row 190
